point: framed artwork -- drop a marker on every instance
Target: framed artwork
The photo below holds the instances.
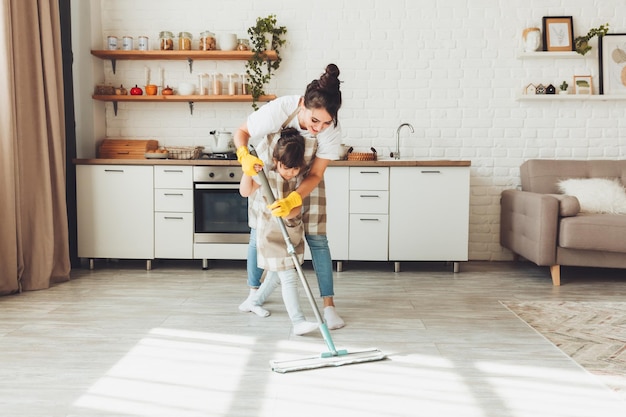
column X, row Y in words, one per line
column 612, row 63
column 583, row 84
column 558, row 33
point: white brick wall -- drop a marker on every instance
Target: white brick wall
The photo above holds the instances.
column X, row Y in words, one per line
column 448, row 67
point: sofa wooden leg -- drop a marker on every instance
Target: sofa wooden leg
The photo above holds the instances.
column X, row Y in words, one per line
column 555, row 272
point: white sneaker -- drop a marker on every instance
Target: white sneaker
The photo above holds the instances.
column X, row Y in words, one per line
column 304, row 328
column 332, row 319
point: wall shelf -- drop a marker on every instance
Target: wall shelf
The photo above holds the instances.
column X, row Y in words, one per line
column 242, row 98
column 188, row 56
column 570, row 97
column 551, row 55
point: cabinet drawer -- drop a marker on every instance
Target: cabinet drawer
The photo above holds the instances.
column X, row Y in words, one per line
column 173, row 235
column 368, row 237
column 369, row 178
column 171, row 199
column 368, row 201
column 173, row 177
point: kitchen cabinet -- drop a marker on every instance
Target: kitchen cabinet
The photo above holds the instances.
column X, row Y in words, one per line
column 398, row 213
column 173, row 212
column 429, row 214
column 369, row 208
column 115, row 212
column 188, row 56
column 336, row 180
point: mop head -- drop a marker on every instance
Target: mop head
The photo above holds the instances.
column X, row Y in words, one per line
column 326, row 359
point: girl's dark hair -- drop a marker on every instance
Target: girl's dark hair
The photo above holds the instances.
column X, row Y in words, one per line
column 324, row 93
column 289, row 149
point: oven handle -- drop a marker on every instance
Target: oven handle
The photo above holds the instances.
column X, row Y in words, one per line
column 231, row 186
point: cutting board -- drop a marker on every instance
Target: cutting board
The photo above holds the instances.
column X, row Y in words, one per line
column 126, row 148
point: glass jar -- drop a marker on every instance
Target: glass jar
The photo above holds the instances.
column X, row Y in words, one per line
column 243, row 44
column 184, row 41
column 232, row 84
column 216, row 84
column 245, row 84
column 166, row 39
column 207, row 41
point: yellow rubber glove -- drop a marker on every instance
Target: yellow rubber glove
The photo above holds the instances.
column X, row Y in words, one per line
column 247, row 161
column 282, row 207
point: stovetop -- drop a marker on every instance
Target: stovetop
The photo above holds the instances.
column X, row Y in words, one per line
column 225, row 156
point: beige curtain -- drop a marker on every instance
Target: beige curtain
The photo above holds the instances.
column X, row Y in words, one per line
column 34, row 248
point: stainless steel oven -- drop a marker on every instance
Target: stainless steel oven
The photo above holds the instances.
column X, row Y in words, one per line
column 220, row 212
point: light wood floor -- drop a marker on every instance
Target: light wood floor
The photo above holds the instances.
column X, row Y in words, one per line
column 122, row 341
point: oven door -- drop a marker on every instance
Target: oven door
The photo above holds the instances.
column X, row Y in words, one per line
column 220, row 214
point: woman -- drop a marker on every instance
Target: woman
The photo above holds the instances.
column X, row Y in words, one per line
column 315, row 116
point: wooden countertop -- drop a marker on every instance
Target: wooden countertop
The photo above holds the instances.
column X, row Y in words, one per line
column 383, row 163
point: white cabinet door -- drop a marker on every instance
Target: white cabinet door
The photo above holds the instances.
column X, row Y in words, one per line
column 429, row 213
column 173, row 235
column 115, row 209
column 368, row 237
column 337, row 208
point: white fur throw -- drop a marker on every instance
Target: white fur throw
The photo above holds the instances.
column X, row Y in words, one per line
column 596, row 195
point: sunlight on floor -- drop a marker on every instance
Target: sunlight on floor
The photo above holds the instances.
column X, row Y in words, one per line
column 190, row 374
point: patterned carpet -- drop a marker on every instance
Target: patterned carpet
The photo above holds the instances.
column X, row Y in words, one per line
column 591, row 333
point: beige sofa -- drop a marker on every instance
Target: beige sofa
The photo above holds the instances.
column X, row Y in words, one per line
column 547, row 227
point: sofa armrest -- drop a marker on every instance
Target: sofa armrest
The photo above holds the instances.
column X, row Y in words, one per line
column 528, row 225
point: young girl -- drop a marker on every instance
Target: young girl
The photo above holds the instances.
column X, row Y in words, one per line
column 288, row 160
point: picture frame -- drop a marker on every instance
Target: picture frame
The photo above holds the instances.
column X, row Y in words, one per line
column 558, row 33
column 612, row 64
column 583, row 85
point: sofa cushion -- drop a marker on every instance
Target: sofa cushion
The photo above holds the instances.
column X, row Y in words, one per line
column 601, row 232
column 596, row 195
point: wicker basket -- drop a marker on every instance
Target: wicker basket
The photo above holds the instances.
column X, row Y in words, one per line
column 362, row 156
column 184, row 152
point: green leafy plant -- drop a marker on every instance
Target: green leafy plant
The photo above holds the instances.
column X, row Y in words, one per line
column 564, row 86
column 258, row 68
column 581, row 43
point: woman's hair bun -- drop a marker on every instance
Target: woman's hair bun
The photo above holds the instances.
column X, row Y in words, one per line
column 330, row 79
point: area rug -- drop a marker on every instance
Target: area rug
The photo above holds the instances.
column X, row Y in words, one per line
column 591, row 333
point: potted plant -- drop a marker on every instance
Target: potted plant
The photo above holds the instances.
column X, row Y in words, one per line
column 563, row 87
column 265, row 35
column 581, row 43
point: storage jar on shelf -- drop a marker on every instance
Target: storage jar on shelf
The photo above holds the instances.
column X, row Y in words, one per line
column 207, row 41
column 166, row 40
column 184, row 41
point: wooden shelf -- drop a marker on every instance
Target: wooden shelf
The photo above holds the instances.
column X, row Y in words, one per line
column 188, row 56
column 180, row 99
column 180, row 55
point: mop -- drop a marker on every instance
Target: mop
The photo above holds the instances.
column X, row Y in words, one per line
column 333, row 357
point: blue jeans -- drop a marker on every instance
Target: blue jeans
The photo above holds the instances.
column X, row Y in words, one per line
column 320, row 254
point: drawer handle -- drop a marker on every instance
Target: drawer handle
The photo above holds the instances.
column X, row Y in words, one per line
column 172, row 218
column 369, row 172
column 173, row 194
column 369, row 196
column 113, row 170
column 369, row 220
column 173, row 170
column 431, row 172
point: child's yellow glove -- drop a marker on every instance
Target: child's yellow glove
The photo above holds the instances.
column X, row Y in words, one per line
column 247, row 161
column 282, row 207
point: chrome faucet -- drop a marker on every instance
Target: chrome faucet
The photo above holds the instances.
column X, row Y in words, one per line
column 396, row 154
